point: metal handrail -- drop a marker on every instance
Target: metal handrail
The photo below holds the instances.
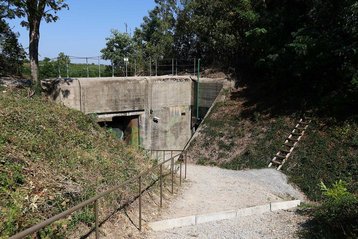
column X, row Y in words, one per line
column 95, row 199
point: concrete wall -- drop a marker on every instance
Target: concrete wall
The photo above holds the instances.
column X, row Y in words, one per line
column 167, row 99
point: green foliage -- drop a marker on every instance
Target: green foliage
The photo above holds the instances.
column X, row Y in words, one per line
column 118, row 46
column 48, row 69
column 326, row 154
column 155, row 37
column 303, row 51
column 337, row 216
column 12, row 53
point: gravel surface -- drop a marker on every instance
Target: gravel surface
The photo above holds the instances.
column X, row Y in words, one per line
column 212, row 189
column 283, row 224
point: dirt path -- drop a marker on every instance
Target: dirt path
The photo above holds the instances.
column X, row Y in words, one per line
column 211, row 189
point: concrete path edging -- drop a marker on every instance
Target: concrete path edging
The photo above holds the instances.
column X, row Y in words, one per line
column 218, row 216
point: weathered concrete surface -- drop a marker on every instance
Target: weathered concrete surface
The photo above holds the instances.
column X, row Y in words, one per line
column 163, row 104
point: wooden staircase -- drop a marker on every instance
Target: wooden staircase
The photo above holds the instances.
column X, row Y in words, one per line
column 290, row 143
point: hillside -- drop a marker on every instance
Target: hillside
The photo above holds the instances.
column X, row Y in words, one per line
column 52, row 158
column 243, row 131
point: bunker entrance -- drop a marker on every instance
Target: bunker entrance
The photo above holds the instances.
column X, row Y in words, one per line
column 125, row 128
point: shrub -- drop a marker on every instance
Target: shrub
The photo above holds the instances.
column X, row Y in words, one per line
column 337, row 216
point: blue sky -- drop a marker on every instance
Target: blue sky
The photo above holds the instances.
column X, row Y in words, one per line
column 82, row 30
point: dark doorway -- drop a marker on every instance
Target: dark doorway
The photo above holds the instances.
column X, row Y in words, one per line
column 125, row 128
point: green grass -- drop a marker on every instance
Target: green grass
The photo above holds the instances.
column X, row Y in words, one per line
column 328, row 153
column 53, row 158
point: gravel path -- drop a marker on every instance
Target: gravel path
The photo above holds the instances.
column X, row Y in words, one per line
column 283, row 224
column 211, row 189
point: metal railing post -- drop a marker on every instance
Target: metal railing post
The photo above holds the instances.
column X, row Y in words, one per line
column 67, row 70
column 172, row 66
column 99, row 67
column 194, row 66
column 112, row 68
column 87, row 67
column 180, row 172
column 172, row 169
column 150, row 66
column 140, row 202
column 185, row 158
column 96, row 218
column 161, row 185
column 135, row 67
column 176, row 67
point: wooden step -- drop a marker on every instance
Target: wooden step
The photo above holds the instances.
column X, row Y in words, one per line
column 280, row 156
column 276, row 162
column 292, row 140
column 285, row 151
column 288, row 145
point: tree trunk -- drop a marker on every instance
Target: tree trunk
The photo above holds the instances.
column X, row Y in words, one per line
column 34, row 35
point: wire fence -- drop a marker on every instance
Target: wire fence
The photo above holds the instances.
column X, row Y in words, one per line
column 96, row 66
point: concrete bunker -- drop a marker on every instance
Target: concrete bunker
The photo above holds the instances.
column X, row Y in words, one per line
column 152, row 112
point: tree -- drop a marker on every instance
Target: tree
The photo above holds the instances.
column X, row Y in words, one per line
column 47, row 69
column 12, row 53
column 34, row 11
column 155, row 37
column 118, row 46
column 62, row 62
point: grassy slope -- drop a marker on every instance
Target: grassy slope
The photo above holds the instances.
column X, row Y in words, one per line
column 52, row 157
column 239, row 135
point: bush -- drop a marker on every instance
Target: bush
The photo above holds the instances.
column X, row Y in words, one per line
column 337, row 216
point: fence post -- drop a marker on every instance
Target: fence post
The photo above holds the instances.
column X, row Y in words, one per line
column 172, row 169
column 150, row 66
column 140, row 202
column 180, row 163
column 197, row 92
column 194, row 66
column 172, row 67
column 176, row 67
column 185, row 158
column 112, row 68
column 96, row 218
column 99, row 67
column 59, row 69
column 135, row 67
column 161, row 185
column 67, row 70
column 87, row 67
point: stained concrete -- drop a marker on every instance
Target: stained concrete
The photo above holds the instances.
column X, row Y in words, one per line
column 164, row 104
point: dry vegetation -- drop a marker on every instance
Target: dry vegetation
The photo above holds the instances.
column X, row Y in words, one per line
column 53, row 158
